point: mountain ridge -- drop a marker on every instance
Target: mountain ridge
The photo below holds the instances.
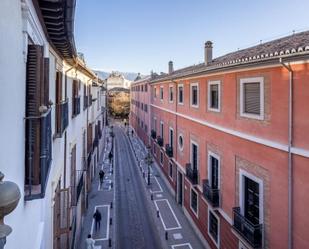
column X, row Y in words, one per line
column 128, row 75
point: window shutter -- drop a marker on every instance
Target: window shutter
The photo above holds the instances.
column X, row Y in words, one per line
column 33, row 93
column 46, row 82
column 58, row 101
column 252, row 98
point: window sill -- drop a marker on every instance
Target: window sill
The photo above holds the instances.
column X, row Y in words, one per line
column 252, row 116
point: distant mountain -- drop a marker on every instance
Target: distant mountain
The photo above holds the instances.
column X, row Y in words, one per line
column 128, row 75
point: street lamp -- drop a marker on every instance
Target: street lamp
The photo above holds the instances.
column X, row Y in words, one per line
column 9, row 197
column 149, row 161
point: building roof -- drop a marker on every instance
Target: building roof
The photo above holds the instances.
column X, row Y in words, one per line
column 119, row 89
column 293, row 45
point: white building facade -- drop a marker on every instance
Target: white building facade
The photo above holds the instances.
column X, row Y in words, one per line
column 52, row 120
column 117, row 80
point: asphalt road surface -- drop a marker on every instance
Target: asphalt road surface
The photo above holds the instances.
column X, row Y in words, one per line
column 134, row 226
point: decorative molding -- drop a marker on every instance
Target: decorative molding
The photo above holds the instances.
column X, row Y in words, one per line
column 263, row 141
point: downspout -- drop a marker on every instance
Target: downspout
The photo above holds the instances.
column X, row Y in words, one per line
column 176, row 133
column 290, row 162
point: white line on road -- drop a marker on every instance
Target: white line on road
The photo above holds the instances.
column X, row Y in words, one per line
column 107, row 222
column 181, row 245
column 157, row 191
column 163, row 223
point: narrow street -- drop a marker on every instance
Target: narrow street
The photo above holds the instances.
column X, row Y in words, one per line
column 134, row 226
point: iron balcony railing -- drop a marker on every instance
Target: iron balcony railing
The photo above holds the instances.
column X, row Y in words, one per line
column 252, row 233
column 38, row 155
column 90, row 100
column 169, row 150
column 80, row 184
column 76, row 106
column 153, row 134
column 212, row 195
column 192, row 174
column 95, row 141
column 62, row 110
column 160, row 141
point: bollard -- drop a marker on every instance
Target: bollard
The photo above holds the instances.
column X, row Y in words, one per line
column 158, row 213
column 110, row 221
column 111, row 205
column 166, row 235
column 109, row 242
column 151, row 197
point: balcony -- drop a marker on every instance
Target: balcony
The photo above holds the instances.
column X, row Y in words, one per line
column 160, row 141
column 251, row 233
column 153, row 134
column 77, row 187
column 95, row 142
column 192, row 174
column 38, row 155
column 76, row 106
column 211, row 195
column 169, row 150
column 62, row 115
column 90, row 100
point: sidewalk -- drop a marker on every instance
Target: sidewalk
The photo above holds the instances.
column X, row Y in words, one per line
column 101, row 197
column 172, row 222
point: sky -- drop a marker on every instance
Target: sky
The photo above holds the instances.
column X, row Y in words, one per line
column 143, row 35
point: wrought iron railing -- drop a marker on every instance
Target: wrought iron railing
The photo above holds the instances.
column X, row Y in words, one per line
column 169, row 150
column 192, row 174
column 212, row 195
column 160, row 141
column 153, row 134
column 38, row 155
column 86, row 101
column 90, row 100
column 62, row 117
column 252, row 233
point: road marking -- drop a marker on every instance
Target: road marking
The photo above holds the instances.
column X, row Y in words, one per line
column 180, row 245
column 163, row 223
column 107, row 222
column 159, row 195
column 157, row 191
column 177, row 236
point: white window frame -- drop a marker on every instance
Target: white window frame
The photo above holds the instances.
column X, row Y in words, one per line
column 170, row 164
column 179, row 146
column 211, row 154
column 183, row 90
column 191, row 155
column 210, row 83
column 242, row 174
column 169, row 135
column 208, row 225
column 241, row 99
column 169, row 93
column 162, row 130
column 198, row 94
column 197, row 202
column 155, row 92
column 161, row 95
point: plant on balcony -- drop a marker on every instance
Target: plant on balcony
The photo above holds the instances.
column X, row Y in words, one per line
column 169, row 150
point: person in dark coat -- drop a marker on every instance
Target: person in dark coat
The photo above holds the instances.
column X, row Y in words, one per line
column 110, row 156
column 101, row 176
column 97, row 217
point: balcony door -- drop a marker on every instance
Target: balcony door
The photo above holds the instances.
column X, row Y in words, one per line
column 251, row 200
column 171, row 137
column 213, row 170
column 194, row 156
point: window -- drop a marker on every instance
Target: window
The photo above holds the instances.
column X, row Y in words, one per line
column 194, row 95
column 194, row 201
column 155, row 92
column 252, row 98
column 251, row 192
column 214, row 96
column 213, row 227
column 180, row 142
column 214, row 170
column 161, row 92
column 170, row 170
column 162, row 129
column 161, row 158
column 194, row 155
column 145, row 107
column 171, row 137
column 180, row 94
column 171, row 93
column 146, row 88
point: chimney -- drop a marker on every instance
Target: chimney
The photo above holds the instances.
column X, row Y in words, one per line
column 208, row 52
column 170, row 67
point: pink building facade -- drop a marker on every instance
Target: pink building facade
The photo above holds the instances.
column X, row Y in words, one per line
column 231, row 136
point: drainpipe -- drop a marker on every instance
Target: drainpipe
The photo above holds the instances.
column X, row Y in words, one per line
column 176, row 133
column 290, row 162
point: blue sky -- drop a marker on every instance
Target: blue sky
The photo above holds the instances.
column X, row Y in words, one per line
column 143, row 35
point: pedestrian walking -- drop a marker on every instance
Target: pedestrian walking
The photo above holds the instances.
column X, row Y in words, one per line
column 101, row 176
column 110, row 156
column 132, row 132
column 90, row 242
column 97, row 217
